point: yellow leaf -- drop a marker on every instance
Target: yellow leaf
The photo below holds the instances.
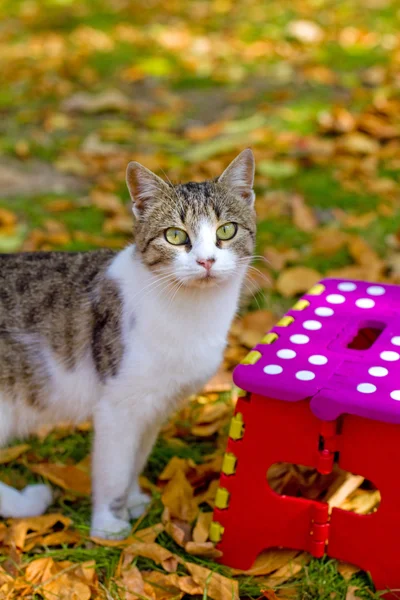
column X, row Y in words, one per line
column 160, row 555
column 347, row 570
column 200, row 532
column 9, row 454
column 303, row 215
column 296, row 280
column 62, row 580
column 178, row 497
column 204, row 549
column 131, row 585
column 213, row 584
column 68, row 477
column 17, row 533
column 175, row 464
column 269, row 561
column 164, row 587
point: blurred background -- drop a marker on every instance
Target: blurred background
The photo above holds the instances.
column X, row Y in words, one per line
column 182, row 86
column 313, row 86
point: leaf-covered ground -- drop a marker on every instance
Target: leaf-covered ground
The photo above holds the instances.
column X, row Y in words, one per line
column 313, row 87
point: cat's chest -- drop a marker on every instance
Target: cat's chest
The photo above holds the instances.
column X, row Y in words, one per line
column 183, row 358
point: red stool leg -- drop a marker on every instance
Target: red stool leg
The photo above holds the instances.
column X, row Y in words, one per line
column 372, row 542
column 256, row 517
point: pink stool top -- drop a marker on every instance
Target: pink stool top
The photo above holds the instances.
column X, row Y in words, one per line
column 320, row 354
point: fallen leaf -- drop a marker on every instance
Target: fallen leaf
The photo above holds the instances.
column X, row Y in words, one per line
column 9, row 454
column 68, row 477
column 351, row 592
column 178, row 496
column 18, row 531
column 221, row 382
column 213, row 584
column 160, row 555
column 164, row 587
column 204, row 549
column 269, row 561
column 287, row 571
column 307, row 32
column 109, row 100
column 174, row 466
column 296, row 280
column 201, row 529
column 63, row 580
column 131, row 585
column 347, row 570
column 303, row 215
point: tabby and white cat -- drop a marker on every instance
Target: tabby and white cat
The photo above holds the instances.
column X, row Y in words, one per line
column 124, row 337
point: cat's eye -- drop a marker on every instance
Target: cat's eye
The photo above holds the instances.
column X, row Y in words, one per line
column 176, row 236
column 227, row 231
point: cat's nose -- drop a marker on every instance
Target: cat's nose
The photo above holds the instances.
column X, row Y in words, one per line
column 207, row 263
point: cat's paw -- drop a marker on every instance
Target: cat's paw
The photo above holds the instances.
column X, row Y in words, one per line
column 32, row 501
column 38, row 498
column 108, row 527
column 137, row 504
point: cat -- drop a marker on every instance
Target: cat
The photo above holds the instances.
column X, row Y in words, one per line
column 124, row 337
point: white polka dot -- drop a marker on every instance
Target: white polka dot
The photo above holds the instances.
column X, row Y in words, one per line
column 365, row 303
column 324, row 311
column 305, row 375
column 312, row 325
column 273, row 369
column 396, row 340
column 389, row 355
column 335, row 299
column 318, row 359
column 395, row 395
column 286, row 353
column 347, row 286
column 366, row 388
column 298, row 338
column 375, row 290
column 378, row 371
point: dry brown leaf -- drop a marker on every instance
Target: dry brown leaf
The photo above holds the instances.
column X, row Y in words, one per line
column 296, row 280
column 362, row 502
column 279, row 258
column 351, row 592
column 221, row 382
column 347, row 570
column 188, row 585
column 362, row 253
column 175, row 465
column 60, row 537
column 209, row 495
column 254, row 325
column 68, row 477
column 178, row 530
column 269, row 561
column 212, row 412
column 160, row 555
column 350, row 484
column 63, row 580
column 303, row 215
column 204, row 549
column 328, row 241
column 164, row 587
column 9, row 454
column 201, row 529
column 149, row 534
column 18, row 532
column 288, row 570
column 178, row 497
column 131, row 585
column 215, row 585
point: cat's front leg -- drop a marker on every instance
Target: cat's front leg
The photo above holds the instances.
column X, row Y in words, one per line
column 138, row 501
column 117, row 432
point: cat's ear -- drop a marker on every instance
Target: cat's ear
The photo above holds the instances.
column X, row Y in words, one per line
column 239, row 176
column 143, row 186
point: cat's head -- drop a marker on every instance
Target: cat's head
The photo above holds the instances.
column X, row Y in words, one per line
column 199, row 233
